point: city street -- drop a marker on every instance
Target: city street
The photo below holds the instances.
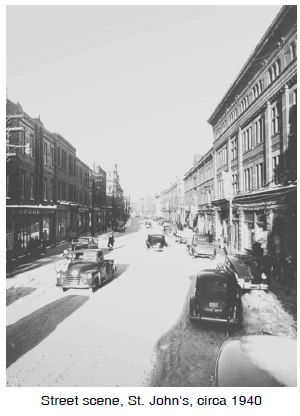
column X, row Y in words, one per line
column 133, row 331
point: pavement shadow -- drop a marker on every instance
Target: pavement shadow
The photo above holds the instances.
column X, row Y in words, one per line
column 31, row 330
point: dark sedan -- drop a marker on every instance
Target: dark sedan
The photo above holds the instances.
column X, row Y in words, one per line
column 156, row 242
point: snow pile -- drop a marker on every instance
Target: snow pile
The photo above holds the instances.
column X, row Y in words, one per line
column 262, row 311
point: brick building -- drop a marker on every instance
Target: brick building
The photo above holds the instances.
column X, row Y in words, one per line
column 49, row 192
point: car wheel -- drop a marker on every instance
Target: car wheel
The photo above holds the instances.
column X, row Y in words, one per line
column 64, row 289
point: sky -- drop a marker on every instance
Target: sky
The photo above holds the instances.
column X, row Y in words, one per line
column 132, row 85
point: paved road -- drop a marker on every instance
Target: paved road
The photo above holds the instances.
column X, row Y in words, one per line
column 133, row 331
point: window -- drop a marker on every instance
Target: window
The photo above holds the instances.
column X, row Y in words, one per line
column 64, row 191
column 234, row 183
column 59, row 190
column 276, row 169
column 45, row 189
column 22, row 184
column 248, row 179
column 70, row 165
column 74, row 168
column 7, row 186
column 293, row 51
column 295, row 97
column 274, row 71
column 45, row 153
column 51, row 190
column 80, row 175
column 275, row 119
column 247, row 139
column 260, row 175
column 32, row 147
column 233, row 149
column 58, row 156
column 31, row 187
column 52, row 156
column 70, row 192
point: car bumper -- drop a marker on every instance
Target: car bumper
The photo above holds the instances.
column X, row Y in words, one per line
column 210, row 319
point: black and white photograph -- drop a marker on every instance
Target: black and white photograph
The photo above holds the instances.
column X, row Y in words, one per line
column 151, row 202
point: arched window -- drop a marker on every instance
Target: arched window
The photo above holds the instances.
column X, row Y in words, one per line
column 293, row 51
column 269, row 77
column 254, row 93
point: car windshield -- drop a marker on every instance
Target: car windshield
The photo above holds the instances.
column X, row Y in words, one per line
column 156, row 239
column 201, row 239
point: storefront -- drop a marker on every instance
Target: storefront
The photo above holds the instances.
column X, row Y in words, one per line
column 26, row 223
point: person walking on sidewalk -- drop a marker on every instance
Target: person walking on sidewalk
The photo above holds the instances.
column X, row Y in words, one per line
column 111, row 241
column 288, row 273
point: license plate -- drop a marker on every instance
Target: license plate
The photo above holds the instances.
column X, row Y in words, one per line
column 213, row 305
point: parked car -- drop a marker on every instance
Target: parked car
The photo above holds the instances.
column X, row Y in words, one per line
column 217, row 297
column 247, row 271
column 87, row 270
column 120, row 226
column 201, row 246
column 156, row 242
column 148, row 224
column 258, row 360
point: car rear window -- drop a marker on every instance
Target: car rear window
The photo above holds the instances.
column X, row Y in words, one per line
column 203, row 239
column 89, row 256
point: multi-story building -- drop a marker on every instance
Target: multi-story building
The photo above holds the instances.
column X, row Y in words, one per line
column 255, row 144
column 30, row 203
column 50, row 193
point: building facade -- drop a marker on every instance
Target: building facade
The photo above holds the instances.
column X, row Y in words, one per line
column 255, row 141
column 114, row 197
column 51, row 194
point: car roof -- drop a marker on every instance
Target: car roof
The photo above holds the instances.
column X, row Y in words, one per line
column 252, row 361
column 223, row 275
column 90, row 250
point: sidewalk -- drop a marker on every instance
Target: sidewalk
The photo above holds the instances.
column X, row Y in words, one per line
column 25, row 263
column 53, row 253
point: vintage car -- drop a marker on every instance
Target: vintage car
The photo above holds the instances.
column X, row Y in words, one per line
column 201, row 246
column 167, row 229
column 83, row 242
column 253, row 361
column 217, row 297
column 120, row 226
column 247, row 271
column 148, row 224
column 88, row 269
column 156, row 242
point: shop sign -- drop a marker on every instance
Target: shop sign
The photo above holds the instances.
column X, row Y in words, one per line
column 29, row 211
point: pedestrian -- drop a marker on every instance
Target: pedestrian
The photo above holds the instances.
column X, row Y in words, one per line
column 111, row 241
column 30, row 247
column 43, row 247
column 288, row 273
column 36, row 245
column 222, row 242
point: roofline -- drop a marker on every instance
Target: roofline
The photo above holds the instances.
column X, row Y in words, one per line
column 283, row 11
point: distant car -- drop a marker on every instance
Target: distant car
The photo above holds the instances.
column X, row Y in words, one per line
column 156, row 242
column 217, row 298
column 120, row 226
column 247, row 271
column 201, row 246
column 167, row 229
column 258, row 360
column 148, row 224
column 87, row 270
column 82, row 243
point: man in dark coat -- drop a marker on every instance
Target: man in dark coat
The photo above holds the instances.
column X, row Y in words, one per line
column 111, row 241
column 288, row 272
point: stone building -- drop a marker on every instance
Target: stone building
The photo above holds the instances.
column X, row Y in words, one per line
column 254, row 148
